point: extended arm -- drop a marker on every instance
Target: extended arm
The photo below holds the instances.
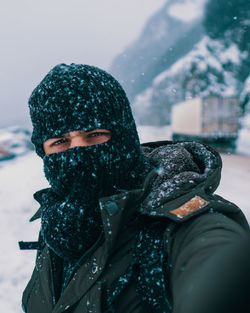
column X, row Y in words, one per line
column 210, row 266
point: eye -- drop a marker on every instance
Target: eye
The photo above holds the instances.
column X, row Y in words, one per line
column 59, row 142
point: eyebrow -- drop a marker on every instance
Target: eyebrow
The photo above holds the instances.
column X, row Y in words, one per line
column 80, row 132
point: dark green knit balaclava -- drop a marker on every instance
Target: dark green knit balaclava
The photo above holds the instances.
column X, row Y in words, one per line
column 81, row 97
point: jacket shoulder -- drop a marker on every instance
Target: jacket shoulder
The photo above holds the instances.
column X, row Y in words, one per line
column 200, row 204
column 210, row 217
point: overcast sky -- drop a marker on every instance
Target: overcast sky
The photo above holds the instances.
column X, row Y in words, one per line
column 35, row 35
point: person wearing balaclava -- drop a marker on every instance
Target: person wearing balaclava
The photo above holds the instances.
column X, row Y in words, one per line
column 125, row 228
column 80, row 97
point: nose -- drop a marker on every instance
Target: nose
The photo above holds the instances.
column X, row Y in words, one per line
column 78, row 141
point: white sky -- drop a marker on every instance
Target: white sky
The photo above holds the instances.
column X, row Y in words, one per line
column 35, row 35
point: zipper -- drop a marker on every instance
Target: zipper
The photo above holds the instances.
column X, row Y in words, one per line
column 52, row 279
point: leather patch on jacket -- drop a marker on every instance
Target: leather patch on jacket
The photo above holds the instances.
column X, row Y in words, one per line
column 189, row 207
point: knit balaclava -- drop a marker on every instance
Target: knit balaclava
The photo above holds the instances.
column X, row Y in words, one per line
column 81, row 97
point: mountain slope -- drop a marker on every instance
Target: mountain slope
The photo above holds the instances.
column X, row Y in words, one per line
column 167, row 36
column 207, row 69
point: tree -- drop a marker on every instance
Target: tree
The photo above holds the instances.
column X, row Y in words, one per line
column 228, row 20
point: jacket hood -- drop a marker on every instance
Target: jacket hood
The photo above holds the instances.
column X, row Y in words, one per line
column 180, row 168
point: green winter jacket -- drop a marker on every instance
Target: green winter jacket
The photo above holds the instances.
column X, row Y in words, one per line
column 202, row 237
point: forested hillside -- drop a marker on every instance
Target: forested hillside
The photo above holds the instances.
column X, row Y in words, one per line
column 211, row 57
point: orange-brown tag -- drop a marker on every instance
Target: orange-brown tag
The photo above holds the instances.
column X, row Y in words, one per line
column 189, row 207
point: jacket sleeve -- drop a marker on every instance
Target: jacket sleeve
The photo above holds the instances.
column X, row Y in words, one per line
column 209, row 261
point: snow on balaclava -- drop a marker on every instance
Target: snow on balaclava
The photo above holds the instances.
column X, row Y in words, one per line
column 81, row 97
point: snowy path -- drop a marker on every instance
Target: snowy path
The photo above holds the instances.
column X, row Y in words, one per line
column 21, row 177
column 235, row 181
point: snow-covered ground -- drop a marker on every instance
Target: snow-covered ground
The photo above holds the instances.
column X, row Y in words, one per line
column 21, row 177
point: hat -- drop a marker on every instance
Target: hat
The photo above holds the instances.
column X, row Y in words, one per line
column 79, row 97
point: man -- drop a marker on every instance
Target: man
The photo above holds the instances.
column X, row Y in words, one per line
column 124, row 228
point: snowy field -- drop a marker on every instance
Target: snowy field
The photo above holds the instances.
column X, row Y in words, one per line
column 21, row 177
